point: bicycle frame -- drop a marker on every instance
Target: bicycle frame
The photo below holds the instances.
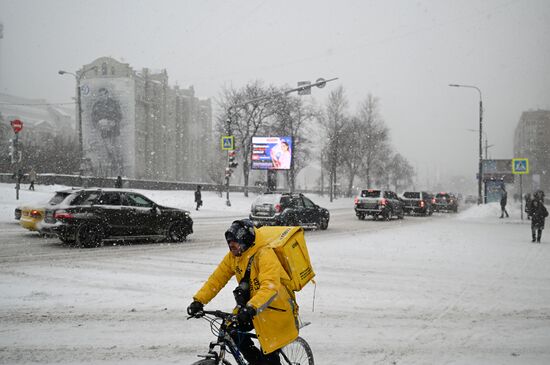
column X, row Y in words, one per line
column 224, row 340
column 223, row 331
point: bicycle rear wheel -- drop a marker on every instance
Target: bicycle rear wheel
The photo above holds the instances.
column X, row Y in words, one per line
column 297, row 352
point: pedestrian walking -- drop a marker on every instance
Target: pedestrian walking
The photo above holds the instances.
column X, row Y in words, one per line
column 118, row 182
column 538, row 215
column 503, row 202
column 198, row 197
column 32, row 178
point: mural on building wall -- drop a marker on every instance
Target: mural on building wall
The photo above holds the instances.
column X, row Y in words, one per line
column 108, row 125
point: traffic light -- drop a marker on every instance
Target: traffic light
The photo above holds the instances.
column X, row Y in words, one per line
column 231, row 161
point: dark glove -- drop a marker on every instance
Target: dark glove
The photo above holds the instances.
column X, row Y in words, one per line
column 245, row 314
column 195, row 308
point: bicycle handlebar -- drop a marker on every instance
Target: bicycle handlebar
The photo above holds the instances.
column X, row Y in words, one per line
column 216, row 313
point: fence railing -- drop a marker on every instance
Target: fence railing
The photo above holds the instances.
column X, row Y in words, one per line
column 109, row 182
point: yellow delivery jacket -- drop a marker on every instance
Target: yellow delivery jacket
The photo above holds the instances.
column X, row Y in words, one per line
column 276, row 322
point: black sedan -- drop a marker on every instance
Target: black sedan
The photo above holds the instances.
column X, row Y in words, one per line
column 93, row 216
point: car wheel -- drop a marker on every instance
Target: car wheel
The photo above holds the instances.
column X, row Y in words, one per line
column 361, row 217
column 323, row 223
column 177, row 232
column 375, row 217
column 89, row 235
column 64, row 239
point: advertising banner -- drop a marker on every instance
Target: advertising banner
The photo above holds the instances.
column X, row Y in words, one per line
column 497, row 170
column 271, row 153
column 108, row 125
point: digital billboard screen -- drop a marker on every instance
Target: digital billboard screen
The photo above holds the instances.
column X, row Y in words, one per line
column 271, row 153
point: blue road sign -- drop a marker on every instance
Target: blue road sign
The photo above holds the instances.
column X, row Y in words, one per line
column 228, row 143
column 520, row 166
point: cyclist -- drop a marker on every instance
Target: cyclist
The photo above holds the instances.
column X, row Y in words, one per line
column 263, row 303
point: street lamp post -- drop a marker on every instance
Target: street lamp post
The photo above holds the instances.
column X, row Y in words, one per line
column 487, row 145
column 78, row 78
column 480, row 167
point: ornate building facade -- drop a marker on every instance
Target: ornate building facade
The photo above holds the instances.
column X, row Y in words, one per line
column 135, row 125
column 532, row 141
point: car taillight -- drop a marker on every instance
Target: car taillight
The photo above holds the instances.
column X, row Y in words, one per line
column 35, row 214
column 62, row 214
column 277, row 208
column 356, row 200
column 383, row 201
column 422, row 204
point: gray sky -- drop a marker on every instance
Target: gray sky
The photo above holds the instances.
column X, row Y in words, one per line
column 404, row 52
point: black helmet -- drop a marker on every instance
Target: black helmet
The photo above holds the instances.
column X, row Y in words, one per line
column 241, row 231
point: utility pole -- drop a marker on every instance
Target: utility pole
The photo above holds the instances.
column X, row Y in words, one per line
column 480, row 164
column 78, row 77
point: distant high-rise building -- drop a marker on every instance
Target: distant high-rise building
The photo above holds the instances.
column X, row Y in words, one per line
column 135, row 125
column 532, row 141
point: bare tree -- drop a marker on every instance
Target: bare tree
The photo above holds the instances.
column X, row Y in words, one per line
column 333, row 121
column 291, row 118
column 244, row 114
column 400, row 172
column 376, row 138
column 355, row 134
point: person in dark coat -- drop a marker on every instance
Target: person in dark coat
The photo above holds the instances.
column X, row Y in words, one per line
column 32, row 178
column 538, row 215
column 198, row 197
column 503, row 202
column 118, row 182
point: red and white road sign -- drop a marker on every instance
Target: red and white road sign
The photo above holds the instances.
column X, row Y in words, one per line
column 17, row 125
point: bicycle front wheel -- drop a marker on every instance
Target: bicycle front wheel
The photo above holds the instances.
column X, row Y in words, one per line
column 297, row 352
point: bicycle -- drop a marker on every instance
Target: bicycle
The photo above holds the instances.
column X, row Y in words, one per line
column 222, row 324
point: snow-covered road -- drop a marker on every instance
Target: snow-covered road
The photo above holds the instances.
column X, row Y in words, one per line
column 453, row 289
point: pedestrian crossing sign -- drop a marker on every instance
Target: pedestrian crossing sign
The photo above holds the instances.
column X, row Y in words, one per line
column 228, row 143
column 520, row 166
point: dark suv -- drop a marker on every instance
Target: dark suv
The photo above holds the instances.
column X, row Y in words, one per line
column 378, row 203
column 91, row 216
column 446, row 202
column 418, row 202
column 288, row 209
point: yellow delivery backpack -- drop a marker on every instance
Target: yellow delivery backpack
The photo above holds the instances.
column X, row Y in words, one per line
column 289, row 245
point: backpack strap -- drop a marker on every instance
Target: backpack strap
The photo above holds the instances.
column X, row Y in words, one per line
column 246, row 277
column 242, row 292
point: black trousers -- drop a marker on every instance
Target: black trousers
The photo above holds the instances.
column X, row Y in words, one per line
column 252, row 354
column 536, row 232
